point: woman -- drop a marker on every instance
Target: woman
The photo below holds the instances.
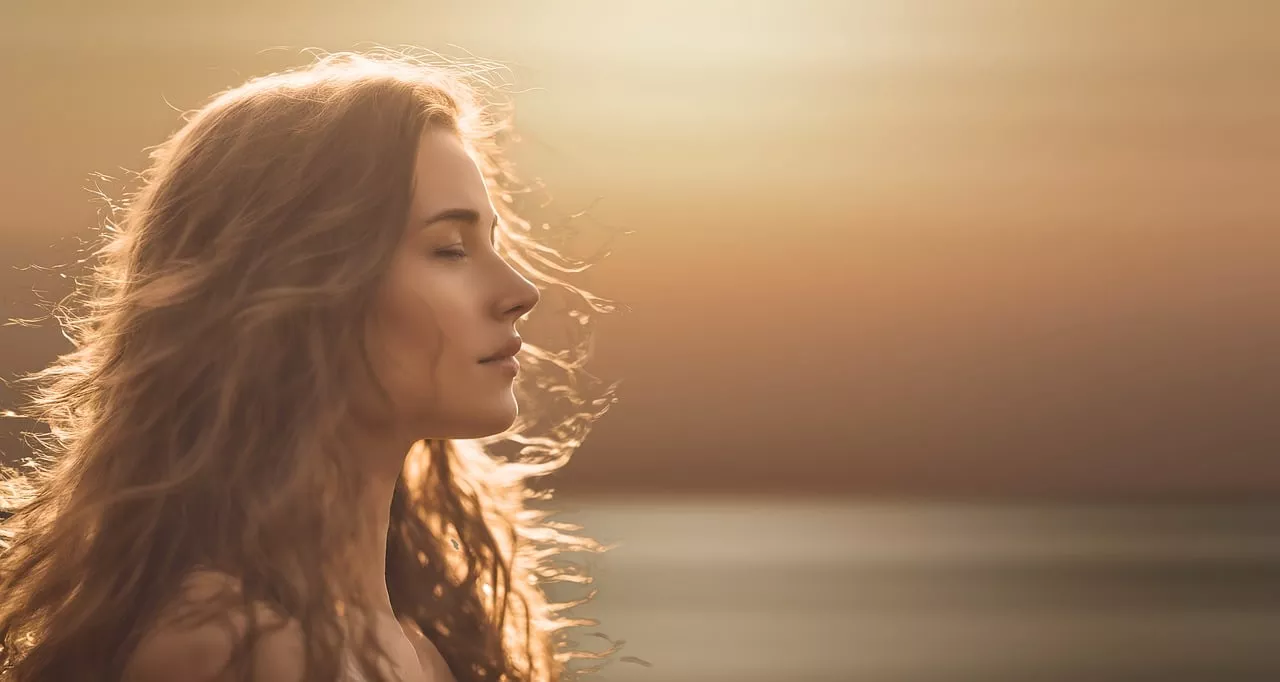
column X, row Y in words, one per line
column 265, row 458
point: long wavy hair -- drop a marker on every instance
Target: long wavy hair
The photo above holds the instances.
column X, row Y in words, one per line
column 195, row 421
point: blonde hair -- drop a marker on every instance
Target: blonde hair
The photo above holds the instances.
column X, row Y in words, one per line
column 212, row 354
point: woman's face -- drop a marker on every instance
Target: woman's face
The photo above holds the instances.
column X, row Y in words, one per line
column 448, row 301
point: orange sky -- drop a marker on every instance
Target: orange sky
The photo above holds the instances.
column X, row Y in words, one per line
column 882, row 247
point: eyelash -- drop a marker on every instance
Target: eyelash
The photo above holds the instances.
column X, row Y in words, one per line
column 453, row 254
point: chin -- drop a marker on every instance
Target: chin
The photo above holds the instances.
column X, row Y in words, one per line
column 484, row 422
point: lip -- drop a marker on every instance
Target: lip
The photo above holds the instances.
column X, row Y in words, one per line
column 507, row 364
column 508, row 350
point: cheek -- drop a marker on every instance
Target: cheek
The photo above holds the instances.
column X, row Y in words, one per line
column 410, row 341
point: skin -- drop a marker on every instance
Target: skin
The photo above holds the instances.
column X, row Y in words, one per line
column 461, row 308
column 448, row 300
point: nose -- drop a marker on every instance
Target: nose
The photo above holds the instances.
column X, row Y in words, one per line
column 520, row 298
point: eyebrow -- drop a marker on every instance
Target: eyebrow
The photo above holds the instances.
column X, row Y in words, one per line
column 464, row 215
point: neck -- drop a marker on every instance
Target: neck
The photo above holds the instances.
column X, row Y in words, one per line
column 385, row 458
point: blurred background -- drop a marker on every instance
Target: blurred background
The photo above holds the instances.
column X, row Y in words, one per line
column 950, row 350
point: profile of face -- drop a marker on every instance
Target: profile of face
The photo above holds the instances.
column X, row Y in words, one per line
column 448, row 301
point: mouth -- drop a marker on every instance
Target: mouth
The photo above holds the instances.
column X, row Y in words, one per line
column 506, row 352
column 507, row 364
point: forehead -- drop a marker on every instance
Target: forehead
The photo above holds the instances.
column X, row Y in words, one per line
column 446, row 176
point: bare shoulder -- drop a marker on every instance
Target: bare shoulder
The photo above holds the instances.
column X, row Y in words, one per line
column 433, row 664
column 182, row 652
